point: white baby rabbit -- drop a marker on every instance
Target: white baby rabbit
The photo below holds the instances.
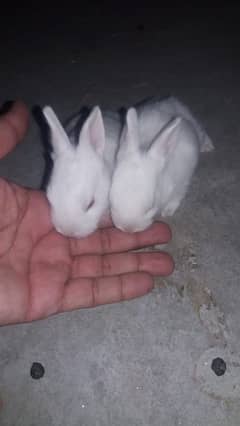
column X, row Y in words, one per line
column 154, row 115
column 78, row 189
column 158, row 153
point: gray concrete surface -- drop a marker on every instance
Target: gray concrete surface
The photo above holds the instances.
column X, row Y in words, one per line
column 146, row 362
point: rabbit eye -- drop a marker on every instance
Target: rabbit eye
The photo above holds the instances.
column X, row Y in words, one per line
column 90, row 205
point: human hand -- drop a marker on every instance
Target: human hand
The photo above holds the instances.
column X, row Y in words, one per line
column 44, row 273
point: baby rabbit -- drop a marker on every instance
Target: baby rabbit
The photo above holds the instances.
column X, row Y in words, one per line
column 159, row 151
column 78, row 189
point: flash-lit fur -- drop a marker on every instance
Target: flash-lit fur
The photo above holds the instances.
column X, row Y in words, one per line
column 78, row 190
column 159, row 151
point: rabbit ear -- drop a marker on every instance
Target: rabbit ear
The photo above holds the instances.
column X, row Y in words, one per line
column 93, row 132
column 59, row 139
column 132, row 123
column 130, row 135
column 166, row 141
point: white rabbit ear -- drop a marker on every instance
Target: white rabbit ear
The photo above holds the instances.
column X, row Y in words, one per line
column 93, row 132
column 130, row 137
column 59, row 139
column 165, row 142
column 132, row 122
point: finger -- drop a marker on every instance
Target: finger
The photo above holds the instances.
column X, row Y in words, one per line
column 48, row 272
column 90, row 292
column 13, row 126
column 112, row 240
column 18, row 117
column 155, row 263
column 13, row 204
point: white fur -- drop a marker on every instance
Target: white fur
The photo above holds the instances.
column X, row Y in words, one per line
column 78, row 189
column 159, row 151
column 153, row 115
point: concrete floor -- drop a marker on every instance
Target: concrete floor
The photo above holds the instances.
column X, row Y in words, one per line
column 147, row 361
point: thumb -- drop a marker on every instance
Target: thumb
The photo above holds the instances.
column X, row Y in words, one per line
column 13, row 127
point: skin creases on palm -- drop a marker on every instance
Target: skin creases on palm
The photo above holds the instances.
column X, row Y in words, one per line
column 43, row 273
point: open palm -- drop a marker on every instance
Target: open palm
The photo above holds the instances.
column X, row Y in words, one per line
column 43, row 273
